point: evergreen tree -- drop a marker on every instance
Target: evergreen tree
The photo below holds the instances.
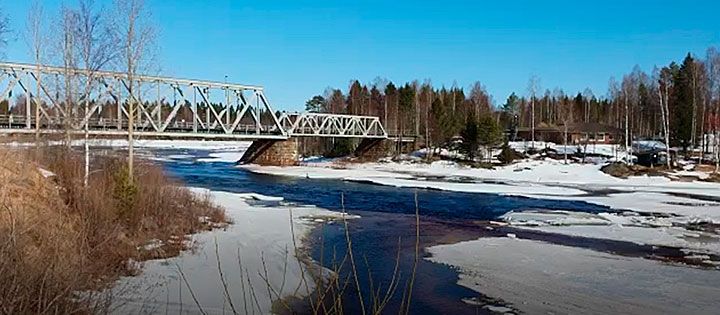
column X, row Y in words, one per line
column 316, row 104
column 489, row 134
column 406, row 104
column 681, row 105
column 443, row 129
column 469, row 136
column 509, row 111
column 391, row 112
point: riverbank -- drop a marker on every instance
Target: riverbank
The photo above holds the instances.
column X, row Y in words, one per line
column 536, row 277
column 63, row 241
column 257, row 264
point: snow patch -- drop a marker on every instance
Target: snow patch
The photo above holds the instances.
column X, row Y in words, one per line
column 45, row 173
column 541, row 278
column 225, row 157
column 260, row 239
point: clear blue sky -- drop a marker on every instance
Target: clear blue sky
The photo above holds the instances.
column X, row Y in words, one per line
column 298, row 48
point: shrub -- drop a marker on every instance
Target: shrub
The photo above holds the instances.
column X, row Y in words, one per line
column 507, row 155
column 124, row 193
column 58, row 237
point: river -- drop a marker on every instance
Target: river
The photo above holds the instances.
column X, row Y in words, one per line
column 387, row 225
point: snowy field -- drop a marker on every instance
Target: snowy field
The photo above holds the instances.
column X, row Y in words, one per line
column 259, row 239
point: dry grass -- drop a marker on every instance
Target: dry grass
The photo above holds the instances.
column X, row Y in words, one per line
column 58, row 237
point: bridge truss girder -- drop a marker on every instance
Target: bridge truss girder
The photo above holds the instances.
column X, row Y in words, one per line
column 70, row 100
column 239, row 110
column 332, row 125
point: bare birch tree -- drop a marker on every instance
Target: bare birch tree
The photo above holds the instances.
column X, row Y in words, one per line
column 664, row 80
column 136, row 36
column 630, row 99
column 66, row 47
column 713, row 69
column 693, row 81
column 703, row 91
column 533, row 86
column 97, row 47
column 588, row 96
column 566, row 114
column 37, row 39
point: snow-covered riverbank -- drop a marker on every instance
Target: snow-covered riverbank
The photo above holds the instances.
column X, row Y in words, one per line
column 540, row 278
column 257, row 245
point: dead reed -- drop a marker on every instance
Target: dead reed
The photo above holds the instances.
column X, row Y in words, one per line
column 59, row 237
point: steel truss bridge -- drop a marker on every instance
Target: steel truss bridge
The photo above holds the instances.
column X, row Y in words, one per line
column 54, row 100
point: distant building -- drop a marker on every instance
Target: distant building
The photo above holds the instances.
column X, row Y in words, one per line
column 577, row 133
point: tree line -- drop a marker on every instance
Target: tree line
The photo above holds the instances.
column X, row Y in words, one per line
column 678, row 103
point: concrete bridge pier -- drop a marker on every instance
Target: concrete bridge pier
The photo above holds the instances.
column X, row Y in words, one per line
column 373, row 148
column 272, row 153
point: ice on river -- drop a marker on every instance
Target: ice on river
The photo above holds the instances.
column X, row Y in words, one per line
column 223, row 156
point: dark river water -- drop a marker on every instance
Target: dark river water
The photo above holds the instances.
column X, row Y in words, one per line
column 386, row 227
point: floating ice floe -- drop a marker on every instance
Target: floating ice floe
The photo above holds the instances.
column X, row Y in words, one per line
column 259, row 197
column 553, row 217
column 224, row 157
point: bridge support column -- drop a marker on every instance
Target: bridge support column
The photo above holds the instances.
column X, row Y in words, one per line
column 272, row 153
column 373, row 149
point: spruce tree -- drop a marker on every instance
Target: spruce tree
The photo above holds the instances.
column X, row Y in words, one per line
column 509, row 111
column 489, row 134
column 469, row 136
column 681, row 105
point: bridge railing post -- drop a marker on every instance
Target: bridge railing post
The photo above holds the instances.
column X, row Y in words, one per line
column 196, row 117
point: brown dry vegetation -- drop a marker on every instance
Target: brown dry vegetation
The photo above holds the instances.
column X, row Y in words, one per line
column 58, row 238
